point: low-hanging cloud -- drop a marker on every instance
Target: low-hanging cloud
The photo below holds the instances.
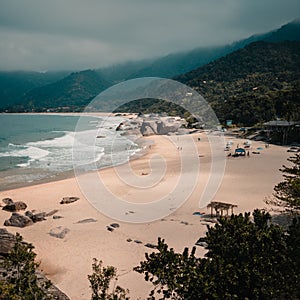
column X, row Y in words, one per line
column 73, row 34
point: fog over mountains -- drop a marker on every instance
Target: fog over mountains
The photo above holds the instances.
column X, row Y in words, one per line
column 22, row 90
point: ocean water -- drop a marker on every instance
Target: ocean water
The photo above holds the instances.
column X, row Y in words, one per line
column 40, row 147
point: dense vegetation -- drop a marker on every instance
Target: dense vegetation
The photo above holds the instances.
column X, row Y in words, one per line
column 101, row 281
column 20, row 279
column 251, row 85
column 73, row 91
column 261, row 90
column 245, row 260
column 247, row 257
column 13, row 85
column 150, row 105
column 288, row 190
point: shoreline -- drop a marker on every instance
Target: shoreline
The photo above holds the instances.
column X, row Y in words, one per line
column 143, row 150
column 67, row 262
column 58, row 176
column 75, row 114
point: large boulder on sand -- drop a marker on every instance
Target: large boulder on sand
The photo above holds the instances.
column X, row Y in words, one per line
column 37, row 217
column 148, row 129
column 18, row 220
column 7, row 201
column 7, row 242
column 159, row 126
column 15, row 206
column 67, row 200
column 59, row 232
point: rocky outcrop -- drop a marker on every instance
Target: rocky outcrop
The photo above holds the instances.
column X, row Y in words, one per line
column 30, row 217
column 59, row 232
column 159, row 126
column 38, row 217
column 67, row 200
column 114, row 225
column 7, row 242
column 7, row 201
column 152, row 124
column 152, row 246
column 84, row 221
column 52, row 292
column 148, row 128
column 51, row 213
column 14, row 206
column 18, row 220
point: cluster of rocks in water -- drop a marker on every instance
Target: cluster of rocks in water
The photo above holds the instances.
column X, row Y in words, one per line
column 7, row 242
column 151, row 124
column 29, row 217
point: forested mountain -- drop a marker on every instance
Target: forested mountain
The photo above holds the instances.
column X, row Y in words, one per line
column 288, row 32
column 179, row 63
column 266, row 68
column 121, row 72
column 13, row 85
column 253, row 84
column 75, row 90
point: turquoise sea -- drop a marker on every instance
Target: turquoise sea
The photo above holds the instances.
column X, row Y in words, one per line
column 36, row 147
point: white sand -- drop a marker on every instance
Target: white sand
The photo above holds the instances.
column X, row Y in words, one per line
column 67, row 262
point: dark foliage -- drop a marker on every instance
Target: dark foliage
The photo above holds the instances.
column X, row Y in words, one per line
column 101, row 281
column 246, row 259
column 13, row 85
column 288, row 190
column 20, row 280
column 150, row 105
column 253, row 84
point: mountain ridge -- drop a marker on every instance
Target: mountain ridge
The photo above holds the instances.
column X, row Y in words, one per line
column 254, row 84
column 62, row 92
column 75, row 90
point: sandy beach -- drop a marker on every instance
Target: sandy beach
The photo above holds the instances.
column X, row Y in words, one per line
column 67, row 262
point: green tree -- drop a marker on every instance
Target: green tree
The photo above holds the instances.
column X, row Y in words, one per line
column 20, row 280
column 100, row 283
column 174, row 275
column 247, row 258
column 288, row 190
column 293, row 249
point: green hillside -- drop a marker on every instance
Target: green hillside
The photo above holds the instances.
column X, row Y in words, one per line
column 74, row 91
column 13, row 85
column 254, row 82
column 178, row 63
column 251, row 85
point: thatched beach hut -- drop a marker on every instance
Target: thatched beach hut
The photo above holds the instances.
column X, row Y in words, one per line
column 220, row 208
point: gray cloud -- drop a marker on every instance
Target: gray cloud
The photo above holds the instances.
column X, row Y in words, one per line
column 74, row 34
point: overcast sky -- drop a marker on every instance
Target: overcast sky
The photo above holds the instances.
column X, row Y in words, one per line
column 80, row 34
